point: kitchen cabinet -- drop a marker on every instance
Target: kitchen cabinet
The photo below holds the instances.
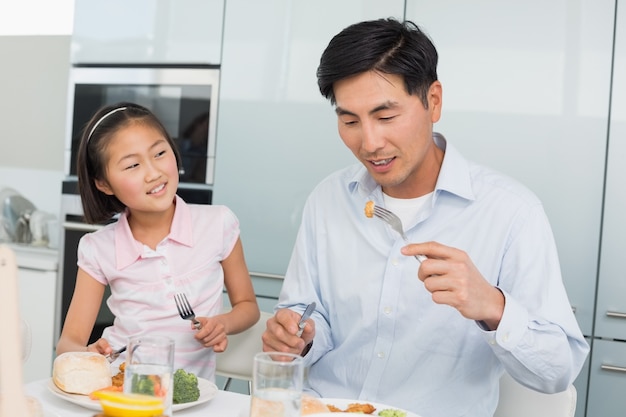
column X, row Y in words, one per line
column 37, row 280
column 526, row 91
column 611, row 303
column 534, row 104
column 277, row 134
column 607, row 382
column 147, row 32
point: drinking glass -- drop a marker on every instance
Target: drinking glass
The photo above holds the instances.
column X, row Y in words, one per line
column 149, row 368
column 276, row 385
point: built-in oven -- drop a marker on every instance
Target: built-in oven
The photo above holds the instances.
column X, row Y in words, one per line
column 184, row 98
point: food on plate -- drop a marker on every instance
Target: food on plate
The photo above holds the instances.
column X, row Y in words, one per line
column 118, row 404
column 362, row 408
column 185, row 387
column 81, row 372
column 147, row 384
column 312, row 405
column 118, row 379
column 369, row 209
column 334, row 409
column 117, row 382
column 391, row 412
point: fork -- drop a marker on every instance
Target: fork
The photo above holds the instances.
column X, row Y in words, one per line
column 396, row 224
column 115, row 354
column 185, row 310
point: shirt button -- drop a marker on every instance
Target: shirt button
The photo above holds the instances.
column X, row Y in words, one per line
column 163, row 262
column 381, row 354
column 395, row 262
column 387, row 310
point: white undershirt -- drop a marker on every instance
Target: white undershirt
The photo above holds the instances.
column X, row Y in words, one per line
column 407, row 208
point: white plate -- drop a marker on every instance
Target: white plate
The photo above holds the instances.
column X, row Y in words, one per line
column 208, row 390
column 344, row 403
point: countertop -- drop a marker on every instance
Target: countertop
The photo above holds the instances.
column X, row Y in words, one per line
column 35, row 257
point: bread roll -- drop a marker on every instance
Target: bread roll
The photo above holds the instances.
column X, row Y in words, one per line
column 312, row 405
column 81, row 372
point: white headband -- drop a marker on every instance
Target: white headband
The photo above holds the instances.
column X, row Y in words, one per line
column 102, row 118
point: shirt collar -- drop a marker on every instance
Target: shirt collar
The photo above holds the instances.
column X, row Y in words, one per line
column 128, row 250
column 454, row 176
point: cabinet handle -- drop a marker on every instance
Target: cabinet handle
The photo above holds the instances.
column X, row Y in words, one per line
column 613, row 368
column 83, row 227
column 616, row 314
column 266, row 275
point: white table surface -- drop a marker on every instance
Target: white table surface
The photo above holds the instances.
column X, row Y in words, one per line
column 225, row 404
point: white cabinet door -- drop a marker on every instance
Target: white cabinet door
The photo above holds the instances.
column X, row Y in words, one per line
column 37, row 289
column 611, row 303
column 607, row 380
column 147, row 32
column 276, row 135
column 526, row 91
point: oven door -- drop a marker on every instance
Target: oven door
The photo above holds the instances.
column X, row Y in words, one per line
column 73, row 230
column 183, row 98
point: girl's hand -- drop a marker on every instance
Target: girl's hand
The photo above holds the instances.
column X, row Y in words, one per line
column 100, row 346
column 212, row 333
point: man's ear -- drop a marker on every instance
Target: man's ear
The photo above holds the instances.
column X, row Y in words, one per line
column 103, row 186
column 435, row 101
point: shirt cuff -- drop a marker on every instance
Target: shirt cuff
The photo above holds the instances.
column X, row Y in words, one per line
column 512, row 326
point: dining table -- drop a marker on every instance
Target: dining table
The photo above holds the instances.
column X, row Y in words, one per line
column 224, row 404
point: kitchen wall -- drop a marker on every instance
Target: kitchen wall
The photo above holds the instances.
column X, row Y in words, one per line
column 526, row 88
column 33, row 86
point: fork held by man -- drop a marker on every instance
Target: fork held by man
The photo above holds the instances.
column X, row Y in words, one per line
column 392, row 220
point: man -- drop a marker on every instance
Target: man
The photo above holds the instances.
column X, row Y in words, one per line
column 431, row 337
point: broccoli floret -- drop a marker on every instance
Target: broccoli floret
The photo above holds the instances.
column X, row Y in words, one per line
column 392, row 413
column 142, row 384
column 185, row 387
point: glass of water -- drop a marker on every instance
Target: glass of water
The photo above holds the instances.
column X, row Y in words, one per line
column 149, row 368
column 276, row 385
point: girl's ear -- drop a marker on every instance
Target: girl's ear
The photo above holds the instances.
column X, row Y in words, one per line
column 103, row 186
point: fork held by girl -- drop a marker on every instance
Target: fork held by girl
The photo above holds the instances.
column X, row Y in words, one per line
column 128, row 166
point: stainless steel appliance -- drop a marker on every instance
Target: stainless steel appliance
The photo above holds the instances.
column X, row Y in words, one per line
column 185, row 100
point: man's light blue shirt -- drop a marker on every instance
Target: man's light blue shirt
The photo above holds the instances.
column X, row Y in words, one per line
column 381, row 338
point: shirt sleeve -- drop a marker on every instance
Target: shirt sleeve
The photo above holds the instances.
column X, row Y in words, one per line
column 301, row 284
column 87, row 258
column 538, row 339
column 231, row 231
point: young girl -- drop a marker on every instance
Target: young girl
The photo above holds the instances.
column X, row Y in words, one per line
column 158, row 247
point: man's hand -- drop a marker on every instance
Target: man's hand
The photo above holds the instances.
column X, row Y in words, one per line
column 452, row 278
column 280, row 335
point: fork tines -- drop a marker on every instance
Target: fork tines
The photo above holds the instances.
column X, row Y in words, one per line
column 182, row 304
column 381, row 211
